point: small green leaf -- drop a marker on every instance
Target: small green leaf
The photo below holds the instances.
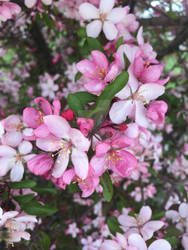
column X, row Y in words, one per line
column 77, row 100
column 126, row 61
column 22, row 184
column 36, row 208
column 107, row 186
column 184, row 192
column 113, row 225
column 172, row 231
column 94, row 44
column 45, row 190
column 21, row 199
column 152, row 171
column 158, row 216
column 77, row 76
column 45, row 242
column 172, row 240
column 119, row 42
column 82, row 32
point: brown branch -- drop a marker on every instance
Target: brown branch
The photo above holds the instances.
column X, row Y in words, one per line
column 162, row 21
column 180, row 38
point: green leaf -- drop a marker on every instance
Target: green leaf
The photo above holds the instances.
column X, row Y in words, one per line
column 49, row 21
column 119, row 42
column 113, row 225
column 94, row 44
column 126, row 61
column 77, row 100
column 22, row 184
column 184, row 192
column 172, row 231
column 36, row 208
column 152, row 171
column 82, row 32
column 45, row 242
column 21, row 199
column 45, row 190
column 172, row 240
column 158, row 216
column 107, row 186
column 77, row 76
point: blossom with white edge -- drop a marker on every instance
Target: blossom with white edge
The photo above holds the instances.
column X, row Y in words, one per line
column 104, row 18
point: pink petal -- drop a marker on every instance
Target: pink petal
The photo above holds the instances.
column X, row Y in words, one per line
column 100, row 60
column 88, row 11
column 87, row 68
column 151, row 74
column 56, row 107
column 17, row 172
column 42, row 131
column 102, row 148
column 99, row 165
column 183, row 210
column 80, row 162
column 12, row 139
column 139, row 37
column 30, row 3
column 110, row 30
column 49, row 143
column 127, row 221
column 151, row 91
column 95, row 86
column 57, row 125
column 25, row 147
column 5, row 165
column 110, row 245
column 114, row 69
column 94, row 28
column 32, row 117
column 44, row 105
column 40, row 164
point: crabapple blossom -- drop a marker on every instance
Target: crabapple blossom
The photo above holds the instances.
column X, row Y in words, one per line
column 32, row 3
column 104, row 18
column 8, row 10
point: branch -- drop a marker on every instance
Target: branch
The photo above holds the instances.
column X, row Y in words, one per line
column 162, row 21
column 180, row 38
column 130, row 3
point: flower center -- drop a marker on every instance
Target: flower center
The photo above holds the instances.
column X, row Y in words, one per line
column 103, row 17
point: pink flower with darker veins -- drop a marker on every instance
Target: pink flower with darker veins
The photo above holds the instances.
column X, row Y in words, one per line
column 98, row 71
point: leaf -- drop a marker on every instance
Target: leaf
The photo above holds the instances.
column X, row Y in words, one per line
column 158, row 216
column 77, row 76
column 49, row 21
column 94, row 44
column 82, row 32
column 77, row 100
column 172, row 240
column 45, row 242
column 172, row 231
column 152, row 171
column 22, row 184
column 36, row 208
column 21, row 199
column 113, row 225
column 119, row 42
column 126, row 61
column 107, row 186
column 45, row 190
column 184, row 192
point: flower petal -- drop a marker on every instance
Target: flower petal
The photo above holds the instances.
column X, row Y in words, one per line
column 160, row 244
column 88, row 11
column 150, row 227
column 25, row 147
column 145, row 214
column 61, row 163
column 6, row 151
column 140, row 115
column 116, row 15
column 17, row 172
column 80, row 162
column 79, row 140
column 110, row 30
column 100, row 59
column 48, row 144
column 137, row 241
column 57, row 125
column 106, row 5
column 183, row 210
column 120, row 110
column 151, row 91
column 94, row 28
column 98, row 165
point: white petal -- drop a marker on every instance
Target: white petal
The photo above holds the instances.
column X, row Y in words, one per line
column 183, row 210
column 17, row 171
column 106, row 5
column 61, row 163
column 80, row 162
column 5, row 165
column 137, row 241
column 140, row 115
column 150, row 227
column 47, row 2
column 151, row 91
column 160, row 244
column 94, row 28
column 173, row 215
column 120, row 110
column 127, row 221
column 110, row 30
column 116, row 15
column 79, row 140
column 30, row 3
column 124, row 93
column 12, row 138
column 25, row 147
column 88, row 11
column 145, row 214
column 7, row 151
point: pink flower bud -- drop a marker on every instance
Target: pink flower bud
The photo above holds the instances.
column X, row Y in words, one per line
column 156, row 111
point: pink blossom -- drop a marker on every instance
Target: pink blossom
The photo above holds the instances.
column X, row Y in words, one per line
column 85, row 125
column 156, row 111
column 32, row 3
column 8, row 10
column 98, row 71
